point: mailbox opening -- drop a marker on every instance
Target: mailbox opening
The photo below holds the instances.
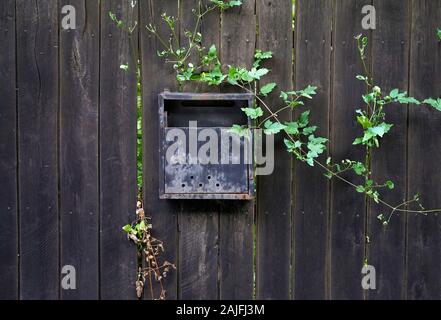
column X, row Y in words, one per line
column 199, row 157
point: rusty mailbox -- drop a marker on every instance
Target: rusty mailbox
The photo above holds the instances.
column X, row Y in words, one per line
column 200, row 158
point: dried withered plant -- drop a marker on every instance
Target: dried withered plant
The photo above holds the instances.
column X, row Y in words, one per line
column 151, row 270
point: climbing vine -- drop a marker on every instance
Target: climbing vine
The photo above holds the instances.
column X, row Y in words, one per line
column 300, row 137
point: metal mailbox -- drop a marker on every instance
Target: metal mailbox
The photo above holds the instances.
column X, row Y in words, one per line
column 200, row 158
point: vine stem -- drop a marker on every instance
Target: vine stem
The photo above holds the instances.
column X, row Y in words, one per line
column 329, row 171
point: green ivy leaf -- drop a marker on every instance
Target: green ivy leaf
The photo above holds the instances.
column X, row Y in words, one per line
column 434, row 103
column 253, row 113
column 364, row 121
column 308, row 130
column 390, row 184
column 257, row 74
column 304, row 119
column 359, row 168
column 273, row 127
column 292, row 128
column 308, row 92
column 267, row 89
column 239, row 130
column 380, row 130
column 262, row 55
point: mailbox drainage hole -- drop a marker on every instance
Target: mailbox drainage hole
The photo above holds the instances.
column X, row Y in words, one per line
column 200, row 184
column 183, row 185
column 191, row 177
column 217, row 185
column 209, row 177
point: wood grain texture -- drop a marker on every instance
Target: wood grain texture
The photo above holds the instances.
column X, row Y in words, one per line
column 79, row 194
column 236, row 218
column 424, row 232
column 390, row 60
column 37, row 65
column 117, row 153
column 199, row 220
column 310, row 187
column 274, row 191
column 8, row 152
column 347, row 207
column 156, row 77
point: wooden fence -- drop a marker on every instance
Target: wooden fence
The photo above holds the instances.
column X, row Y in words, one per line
column 68, row 155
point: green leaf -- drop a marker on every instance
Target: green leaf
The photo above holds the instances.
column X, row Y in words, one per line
column 262, row 55
column 304, row 119
column 368, row 98
column 235, row 3
column 239, row 130
column 308, row 92
column 390, row 184
column 434, row 103
column 394, row 93
column 253, row 113
column 364, row 121
column 127, row 228
column 292, row 128
column 268, row 88
column 360, row 189
column 212, row 52
column 381, row 129
column 124, row 67
column 361, row 78
column 273, row 127
column 357, row 141
column 409, row 100
column 308, row 130
column 291, row 146
column 359, row 168
column 438, row 33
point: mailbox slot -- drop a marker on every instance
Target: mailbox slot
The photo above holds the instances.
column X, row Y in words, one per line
column 194, row 128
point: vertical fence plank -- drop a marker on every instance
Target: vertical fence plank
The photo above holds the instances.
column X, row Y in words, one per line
column 37, row 58
column 390, row 60
column 424, row 232
column 311, row 189
column 199, row 219
column 79, row 89
column 156, row 77
column 117, row 152
column 347, row 207
column 237, row 217
column 8, row 152
column 274, row 202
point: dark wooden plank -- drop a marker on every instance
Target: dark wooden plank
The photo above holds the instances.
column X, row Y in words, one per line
column 390, row 60
column 347, row 207
column 236, row 243
column 199, row 219
column 37, row 58
column 117, row 153
column 274, row 191
column 79, row 90
column 163, row 212
column 310, row 187
column 424, row 233
column 8, row 152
